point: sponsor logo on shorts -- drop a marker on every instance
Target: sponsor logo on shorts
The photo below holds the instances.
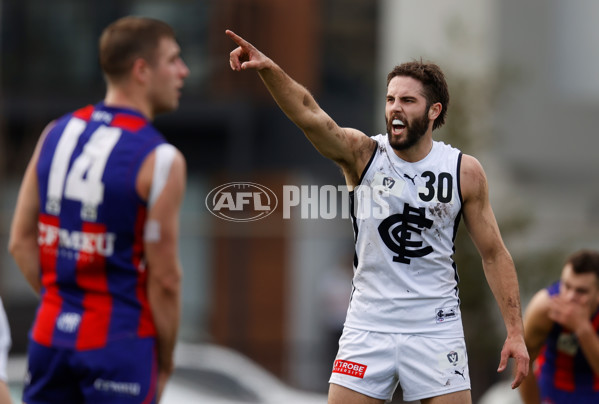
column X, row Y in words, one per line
column 349, row 368
column 120, row 388
column 68, row 322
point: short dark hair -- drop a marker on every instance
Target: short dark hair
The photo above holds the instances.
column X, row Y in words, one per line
column 433, row 83
column 585, row 261
column 127, row 39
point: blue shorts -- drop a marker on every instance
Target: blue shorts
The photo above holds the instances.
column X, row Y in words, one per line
column 123, row 372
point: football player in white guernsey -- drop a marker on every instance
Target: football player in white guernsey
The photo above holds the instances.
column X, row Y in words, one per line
column 404, row 324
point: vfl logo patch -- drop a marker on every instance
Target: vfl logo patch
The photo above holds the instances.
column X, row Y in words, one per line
column 388, row 182
column 395, row 186
column 453, row 358
column 349, row 368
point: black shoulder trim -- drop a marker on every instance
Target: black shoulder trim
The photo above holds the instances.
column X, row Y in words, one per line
column 459, row 178
column 369, row 162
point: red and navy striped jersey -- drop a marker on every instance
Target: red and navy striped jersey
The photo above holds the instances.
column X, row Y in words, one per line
column 91, row 226
column 562, row 369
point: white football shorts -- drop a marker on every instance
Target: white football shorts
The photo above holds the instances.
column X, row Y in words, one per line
column 374, row 364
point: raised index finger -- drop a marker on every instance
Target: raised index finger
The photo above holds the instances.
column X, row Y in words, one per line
column 237, row 39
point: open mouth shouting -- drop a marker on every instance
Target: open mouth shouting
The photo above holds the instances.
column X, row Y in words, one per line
column 397, row 126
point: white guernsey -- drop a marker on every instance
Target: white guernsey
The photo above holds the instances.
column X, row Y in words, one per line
column 403, row 260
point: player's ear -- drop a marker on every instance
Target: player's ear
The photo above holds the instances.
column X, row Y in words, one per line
column 434, row 111
column 140, row 70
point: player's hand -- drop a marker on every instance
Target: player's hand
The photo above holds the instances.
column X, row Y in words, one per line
column 245, row 56
column 515, row 347
column 569, row 314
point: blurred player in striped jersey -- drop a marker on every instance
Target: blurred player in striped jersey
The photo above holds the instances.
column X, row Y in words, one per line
column 95, row 231
column 561, row 326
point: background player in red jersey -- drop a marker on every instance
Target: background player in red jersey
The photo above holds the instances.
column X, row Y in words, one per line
column 95, row 231
column 561, row 326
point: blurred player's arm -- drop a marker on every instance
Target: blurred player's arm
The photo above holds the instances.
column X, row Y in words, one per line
column 23, row 244
column 537, row 326
column 161, row 238
column 4, row 393
column 497, row 263
column 348, row 147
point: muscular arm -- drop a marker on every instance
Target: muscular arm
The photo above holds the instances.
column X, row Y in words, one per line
column 537, row 326
column 22, row 243
column 348, row 147
column 497, row 262
column 164, row 267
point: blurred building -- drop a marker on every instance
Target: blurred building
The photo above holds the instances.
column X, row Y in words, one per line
column 524, row 101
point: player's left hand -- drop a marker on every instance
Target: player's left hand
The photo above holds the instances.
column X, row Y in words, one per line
column 515, row 347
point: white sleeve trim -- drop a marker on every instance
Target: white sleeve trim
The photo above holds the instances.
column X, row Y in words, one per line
column 165, row 154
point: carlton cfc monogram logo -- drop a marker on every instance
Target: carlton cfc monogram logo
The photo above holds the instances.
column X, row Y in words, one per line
column 396, row 232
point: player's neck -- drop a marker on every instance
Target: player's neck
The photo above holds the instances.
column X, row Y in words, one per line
column 418, row 151
column 117, row 97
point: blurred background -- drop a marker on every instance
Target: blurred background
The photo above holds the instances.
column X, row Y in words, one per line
column 524, row 101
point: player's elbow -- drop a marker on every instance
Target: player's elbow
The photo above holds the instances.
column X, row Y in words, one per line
column 12, row 247
column 497, row 255
column 167, row 283
column 17, row 246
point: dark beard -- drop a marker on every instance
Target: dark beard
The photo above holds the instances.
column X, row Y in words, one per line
column 414, row 131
